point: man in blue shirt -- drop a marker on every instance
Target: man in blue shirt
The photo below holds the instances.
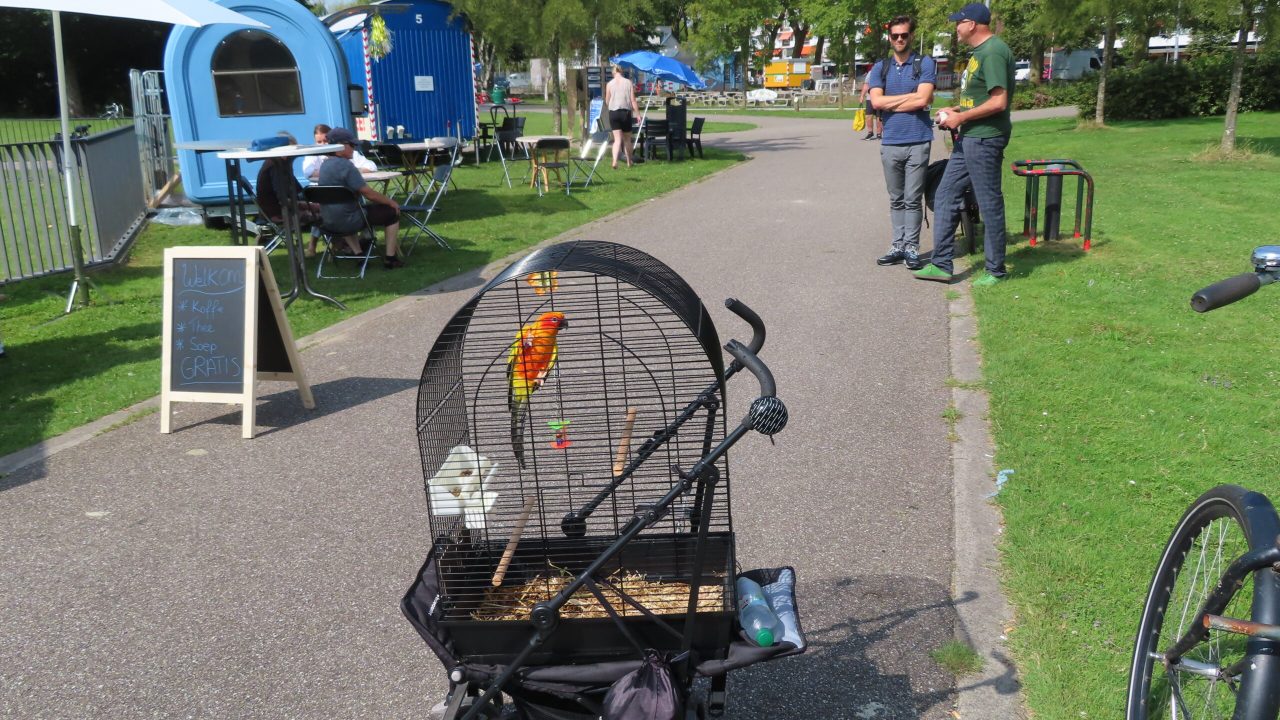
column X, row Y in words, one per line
column 902, row 91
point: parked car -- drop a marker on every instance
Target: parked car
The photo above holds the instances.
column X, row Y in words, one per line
column 1075, row 64
column 518, row 83
column 1022, row 71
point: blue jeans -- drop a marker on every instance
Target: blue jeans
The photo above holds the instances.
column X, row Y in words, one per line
column 976, row 162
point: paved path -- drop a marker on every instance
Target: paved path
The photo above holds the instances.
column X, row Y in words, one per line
column 197, row 574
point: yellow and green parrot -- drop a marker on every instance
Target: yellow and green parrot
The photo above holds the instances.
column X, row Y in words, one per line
column 532, row 356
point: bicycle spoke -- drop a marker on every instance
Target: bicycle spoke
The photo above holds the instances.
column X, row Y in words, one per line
column 1196, row 695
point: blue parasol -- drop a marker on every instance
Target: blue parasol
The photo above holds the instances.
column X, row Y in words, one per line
column 660, row 66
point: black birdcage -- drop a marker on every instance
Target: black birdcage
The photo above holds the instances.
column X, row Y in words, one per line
column 572, row 428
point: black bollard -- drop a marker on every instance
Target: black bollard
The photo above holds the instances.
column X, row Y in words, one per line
column 1052, row 202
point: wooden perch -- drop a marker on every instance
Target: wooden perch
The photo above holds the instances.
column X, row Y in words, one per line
column 514, row 542
column 624, row 445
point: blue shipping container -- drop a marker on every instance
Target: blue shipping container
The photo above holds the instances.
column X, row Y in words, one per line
column 425, row 84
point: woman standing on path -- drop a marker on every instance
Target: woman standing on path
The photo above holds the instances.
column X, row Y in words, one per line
column 620, row 98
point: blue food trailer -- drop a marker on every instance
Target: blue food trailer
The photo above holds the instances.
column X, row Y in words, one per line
column 424, row 85
column 235, row 83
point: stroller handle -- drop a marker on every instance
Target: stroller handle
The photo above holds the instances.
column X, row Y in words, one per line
column 752, row 362
column 739, row 308
column 1225, row 292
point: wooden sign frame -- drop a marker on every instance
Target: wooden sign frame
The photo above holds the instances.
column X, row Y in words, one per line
column 257, row 276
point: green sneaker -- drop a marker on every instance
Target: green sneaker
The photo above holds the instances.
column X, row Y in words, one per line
column 987, row 281
column 934, row 273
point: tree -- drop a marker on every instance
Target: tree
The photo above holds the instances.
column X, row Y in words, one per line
column 724, row 27
column 97, row 62
column 1243, row 15
column 556, row 28
column 1025, row 26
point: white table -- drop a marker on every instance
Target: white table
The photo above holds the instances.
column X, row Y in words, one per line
column 282, row 177
column 381, row 176
column 202, row 147
column 412, row 154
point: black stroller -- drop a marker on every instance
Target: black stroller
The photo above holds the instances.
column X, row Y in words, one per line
column 564, row 553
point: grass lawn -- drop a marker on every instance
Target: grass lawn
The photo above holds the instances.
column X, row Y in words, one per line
column 1113, row 401
column 62, row 374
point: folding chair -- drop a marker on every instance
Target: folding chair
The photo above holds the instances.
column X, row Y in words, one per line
column 496, row 111
column 440, row 181
column 450, row 152
column 583, row 162
column 393, row 158
column 505, row 138
column 335, row 248
column 694, row 139
column 260, row 225
column 556, row 148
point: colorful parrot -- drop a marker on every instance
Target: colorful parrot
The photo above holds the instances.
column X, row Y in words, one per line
column 532, row 356
column 543, row 282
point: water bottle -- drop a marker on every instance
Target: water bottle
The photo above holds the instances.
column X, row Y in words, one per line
column 762, row 627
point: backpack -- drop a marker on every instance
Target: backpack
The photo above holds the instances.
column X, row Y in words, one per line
column 917, row 63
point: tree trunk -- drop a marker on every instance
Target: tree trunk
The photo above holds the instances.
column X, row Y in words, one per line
column 75, row 106
column 1037, row 60
column 1100, row 115
column 773, row 37
column 746, row 59
column 1237, row 72
column 557, row 119
column 799, row 36
column 817, row 51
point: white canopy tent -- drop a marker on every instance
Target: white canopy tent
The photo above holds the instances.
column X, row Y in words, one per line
column 175, row 12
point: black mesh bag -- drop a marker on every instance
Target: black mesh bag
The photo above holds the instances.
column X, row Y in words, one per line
column 646, row 693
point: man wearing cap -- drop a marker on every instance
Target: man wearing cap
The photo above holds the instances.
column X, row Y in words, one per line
column 902, row 91
column 345, row 217
column 982, row 119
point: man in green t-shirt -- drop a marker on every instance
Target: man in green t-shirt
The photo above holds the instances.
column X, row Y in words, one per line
column 977, row 160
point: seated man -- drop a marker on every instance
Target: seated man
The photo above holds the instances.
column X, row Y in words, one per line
column 345, row 217
column 311, row 163
column 268, row 200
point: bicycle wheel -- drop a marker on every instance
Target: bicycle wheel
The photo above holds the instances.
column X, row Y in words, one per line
column 1214, row 683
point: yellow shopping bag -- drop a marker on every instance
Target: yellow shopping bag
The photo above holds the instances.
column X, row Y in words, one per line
column 860, row 120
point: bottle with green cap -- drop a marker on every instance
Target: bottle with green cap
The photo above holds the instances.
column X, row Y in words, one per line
column 754, row 614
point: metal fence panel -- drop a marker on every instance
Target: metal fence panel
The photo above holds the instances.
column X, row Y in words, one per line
column 115, row 188
column 32, row 211
column 152, row 124
column 34, row 231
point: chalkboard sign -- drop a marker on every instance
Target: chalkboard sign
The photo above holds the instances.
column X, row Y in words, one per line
column 224, row 329
column 207, row 343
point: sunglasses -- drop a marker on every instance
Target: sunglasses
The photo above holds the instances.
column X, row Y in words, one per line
column 900, row 36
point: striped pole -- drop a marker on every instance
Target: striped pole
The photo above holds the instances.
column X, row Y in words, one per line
column 475, row 99
column 368, row 82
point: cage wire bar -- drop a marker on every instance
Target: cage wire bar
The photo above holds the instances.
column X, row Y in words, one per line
column 637, row 345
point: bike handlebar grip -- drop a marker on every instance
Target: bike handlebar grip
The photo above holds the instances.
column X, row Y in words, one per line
column 740, row 309
column 750, row 361
column 1226, row 292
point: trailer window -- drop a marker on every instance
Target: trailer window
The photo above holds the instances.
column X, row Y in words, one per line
column 255, row 74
